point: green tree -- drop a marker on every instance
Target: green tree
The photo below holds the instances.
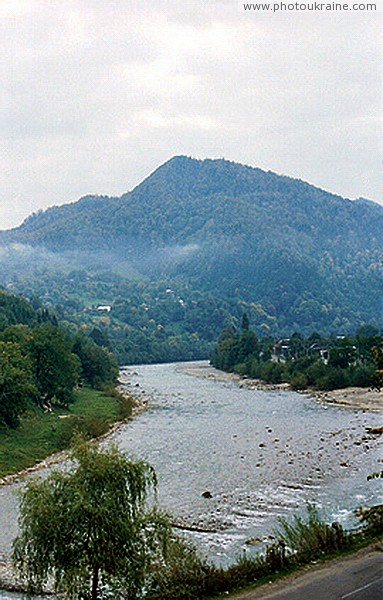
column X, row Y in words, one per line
column 56, row 368
column 98, row 364
column 377, row 353
column 16, row 385
column 245, row 324
column 343, row 354
column 91, row 526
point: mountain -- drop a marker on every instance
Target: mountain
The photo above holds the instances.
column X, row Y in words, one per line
column 293, row 255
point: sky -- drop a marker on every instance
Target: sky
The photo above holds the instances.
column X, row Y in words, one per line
column 95, row 94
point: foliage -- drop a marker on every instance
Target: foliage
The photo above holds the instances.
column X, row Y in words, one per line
column 325, row 363
column 17, row 389
column 55, row 366
column 15, row 309
column 311, row 537
column 372, row 517
column 297, row 543
column 42, row 433
column 378, row 374
column 180, row 574
column 86, row 427
column 91, row 526
column 98, row 365
column 41, row 362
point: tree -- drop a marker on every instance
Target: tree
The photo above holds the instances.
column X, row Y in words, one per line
column 245, row 324
column 16, row 385
column 343, row 354
column 99, row 366
column 56, row 367
column 377, row 353
column 91, row 526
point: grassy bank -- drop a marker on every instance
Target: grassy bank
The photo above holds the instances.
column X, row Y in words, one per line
column 42, row 433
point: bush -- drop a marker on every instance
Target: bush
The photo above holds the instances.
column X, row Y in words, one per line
column 241, row 369
column 180, row 576
column 272, row 372
column 254, row 369
column 310, row 538
column 86, row 427
column 361, row 376
column 335, row 378
column 298, row 381
column 125, row 403
column 372, row 519
column 125, row 408
column 315, row 372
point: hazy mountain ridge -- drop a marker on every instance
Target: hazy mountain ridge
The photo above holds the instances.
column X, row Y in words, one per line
column 308, row 258
column 181, row 197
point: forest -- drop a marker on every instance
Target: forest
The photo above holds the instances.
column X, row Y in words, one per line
column 224, row 238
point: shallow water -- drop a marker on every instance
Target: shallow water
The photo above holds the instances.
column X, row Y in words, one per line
column 260, row 454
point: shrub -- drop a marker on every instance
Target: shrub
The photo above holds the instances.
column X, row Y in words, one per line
column 86, row 427
column 371, row 518
column 241, row 369
column 298, row 381
column 125, row 408
column 180, row 575
column 310, row 538
column 335, row 378
column 272, row 372
column 315, row 372
column 361, row 376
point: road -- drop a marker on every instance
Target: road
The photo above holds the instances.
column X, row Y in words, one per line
column 355, row 577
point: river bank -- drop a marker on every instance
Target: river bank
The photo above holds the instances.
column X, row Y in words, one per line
column 361, row 398
column 44, row 428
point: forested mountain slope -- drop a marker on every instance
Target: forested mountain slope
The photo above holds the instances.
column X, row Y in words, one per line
column 295, row 256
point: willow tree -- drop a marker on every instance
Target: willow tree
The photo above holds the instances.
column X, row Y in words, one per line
column 91, row 526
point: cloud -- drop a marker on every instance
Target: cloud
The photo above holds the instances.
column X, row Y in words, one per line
column 97, row 94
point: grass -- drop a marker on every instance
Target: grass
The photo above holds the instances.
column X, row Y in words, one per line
column 298, row 542
column 42, row 434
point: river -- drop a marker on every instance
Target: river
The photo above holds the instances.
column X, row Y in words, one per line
column 257, row 454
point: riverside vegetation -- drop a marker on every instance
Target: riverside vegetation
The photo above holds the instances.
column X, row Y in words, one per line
column 92, row 532
column 53, row 384
column 323, row 363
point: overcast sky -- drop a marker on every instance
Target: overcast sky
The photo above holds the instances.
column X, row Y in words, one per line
column 95, row 94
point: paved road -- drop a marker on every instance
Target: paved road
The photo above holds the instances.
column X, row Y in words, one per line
column 356, row 577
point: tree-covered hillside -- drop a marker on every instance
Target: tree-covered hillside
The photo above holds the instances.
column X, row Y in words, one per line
column 225, row 236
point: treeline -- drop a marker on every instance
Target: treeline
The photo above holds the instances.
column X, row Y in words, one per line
column 42, row 364
column 324, row 363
